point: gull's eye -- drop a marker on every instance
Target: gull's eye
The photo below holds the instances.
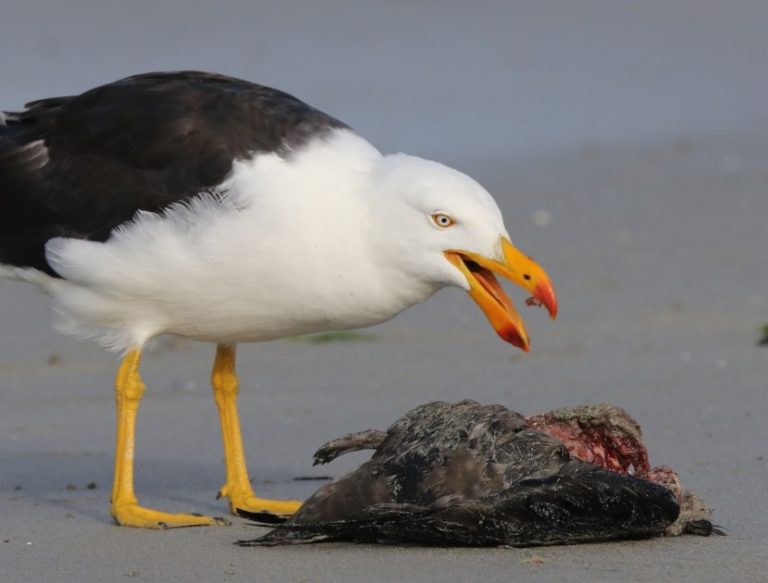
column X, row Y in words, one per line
column 442, row 220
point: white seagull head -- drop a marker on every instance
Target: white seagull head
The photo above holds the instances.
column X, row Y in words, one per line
column 450, row 232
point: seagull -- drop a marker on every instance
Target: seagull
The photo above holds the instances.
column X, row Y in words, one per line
column 216, row 209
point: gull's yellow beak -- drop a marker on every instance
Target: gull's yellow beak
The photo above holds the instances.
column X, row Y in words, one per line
column 484, row 288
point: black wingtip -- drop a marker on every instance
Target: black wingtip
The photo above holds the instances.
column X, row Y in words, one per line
column 261, row 517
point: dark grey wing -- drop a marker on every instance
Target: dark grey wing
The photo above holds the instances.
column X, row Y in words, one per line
column 79, row 166
column 384, row 523
column 583, row 503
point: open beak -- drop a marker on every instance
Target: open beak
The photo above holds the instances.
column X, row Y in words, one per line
column 484, row 288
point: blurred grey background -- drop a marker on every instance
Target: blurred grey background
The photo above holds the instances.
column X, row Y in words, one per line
column 441, row 78
column 627, row 144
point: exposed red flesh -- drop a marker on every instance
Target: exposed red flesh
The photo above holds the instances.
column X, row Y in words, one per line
column 607, row 436
column 601, row 434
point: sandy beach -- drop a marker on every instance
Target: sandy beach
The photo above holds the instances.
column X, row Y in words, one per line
column 653, row 231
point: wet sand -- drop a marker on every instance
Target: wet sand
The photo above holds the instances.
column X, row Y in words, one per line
column 661, row 309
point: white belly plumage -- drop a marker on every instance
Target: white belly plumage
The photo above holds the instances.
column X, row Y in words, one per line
column 226, row 269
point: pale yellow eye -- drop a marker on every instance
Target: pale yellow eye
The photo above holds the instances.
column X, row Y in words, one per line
column 442, row 220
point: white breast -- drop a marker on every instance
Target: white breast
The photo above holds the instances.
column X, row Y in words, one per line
column 284, row 252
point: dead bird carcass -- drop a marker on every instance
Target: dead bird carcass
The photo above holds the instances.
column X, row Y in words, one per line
column 482, row 475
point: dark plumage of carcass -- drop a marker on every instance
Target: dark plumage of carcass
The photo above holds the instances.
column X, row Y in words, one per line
column 482, row 475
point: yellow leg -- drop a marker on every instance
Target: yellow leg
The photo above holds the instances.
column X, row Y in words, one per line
column 125, row 507
column 238, row 486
